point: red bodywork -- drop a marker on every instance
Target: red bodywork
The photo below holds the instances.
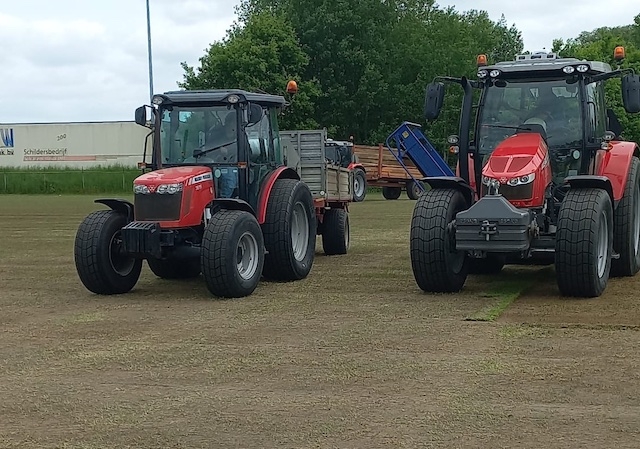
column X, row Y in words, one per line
column 265, row 191
column 614, row 164
column 197, row 191
column 518, row 156
column 352, row 166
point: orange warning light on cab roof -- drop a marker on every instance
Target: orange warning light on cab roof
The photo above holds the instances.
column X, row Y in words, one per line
column 618, row 53
column 481, row 60
column 292, row 87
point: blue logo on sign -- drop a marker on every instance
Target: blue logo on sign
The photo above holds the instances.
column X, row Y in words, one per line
column 7, row 137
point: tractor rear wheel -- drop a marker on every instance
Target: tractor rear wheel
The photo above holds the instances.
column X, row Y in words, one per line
column 584, row 242
column 359, row 185
column 437, row 266
column 626, row 234
column 100, row 262
column 335, row 232
column 391, row 193
column 413, row 189
column 232, row 254
column 290, row 231
column 174, row 268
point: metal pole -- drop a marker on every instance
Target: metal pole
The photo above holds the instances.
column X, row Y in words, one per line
column 149, row 53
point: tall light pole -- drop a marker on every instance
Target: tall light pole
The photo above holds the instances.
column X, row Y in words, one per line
column 149, row 52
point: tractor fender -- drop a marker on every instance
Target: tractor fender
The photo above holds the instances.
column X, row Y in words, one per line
column 267, row 185
column 119, row 205
column 354, row 166
column 614, row 165
column 230, row 204
column 594, row 181
column 451, row 182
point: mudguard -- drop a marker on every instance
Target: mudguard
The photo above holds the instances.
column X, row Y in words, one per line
column 452, row 182
column 119, row 205
column 231, row 204
column 267, row 185
column 582, row 181
column 614, row 165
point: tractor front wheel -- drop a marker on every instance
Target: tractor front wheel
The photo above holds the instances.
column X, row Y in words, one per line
column 335, row 232
column 626, row 235
column 101, row 263
column 437, row 266
column 232, row 254
column 584, row 242
column 174, row 268
column 290, row 231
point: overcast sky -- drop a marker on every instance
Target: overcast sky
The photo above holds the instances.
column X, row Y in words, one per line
column 67, row 60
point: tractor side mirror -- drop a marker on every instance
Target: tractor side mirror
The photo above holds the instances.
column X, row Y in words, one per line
column 141, row 116
column 255, row 113
column 433, row 100
column 631, row 93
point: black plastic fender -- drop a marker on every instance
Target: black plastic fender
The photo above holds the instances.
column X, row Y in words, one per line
column 119, row 205
column 600, row 182
column 451, row 182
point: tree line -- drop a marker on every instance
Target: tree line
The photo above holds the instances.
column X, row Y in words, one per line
column 362, row 66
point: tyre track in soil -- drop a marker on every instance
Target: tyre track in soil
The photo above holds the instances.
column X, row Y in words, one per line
column 542, row 304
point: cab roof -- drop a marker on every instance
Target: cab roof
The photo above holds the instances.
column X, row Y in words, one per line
column 222, row 96
column 544, row 64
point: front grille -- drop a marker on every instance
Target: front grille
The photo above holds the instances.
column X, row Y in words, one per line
column 521, row 192
column 158, row 207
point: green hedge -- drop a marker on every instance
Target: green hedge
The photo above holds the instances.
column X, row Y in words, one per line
column 111, row 179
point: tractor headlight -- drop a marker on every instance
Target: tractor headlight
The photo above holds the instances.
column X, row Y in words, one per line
column 494, row 73
column 522, row 180
column 568, row 69
column 482, row 73
column 582, row 68
column 141, row 189
column 487, row 181
column 169, row 189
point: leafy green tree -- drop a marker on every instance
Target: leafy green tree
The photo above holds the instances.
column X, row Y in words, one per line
column 263, row 54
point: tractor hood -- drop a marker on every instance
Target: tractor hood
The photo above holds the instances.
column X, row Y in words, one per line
column 173, row 175
column 518, row 155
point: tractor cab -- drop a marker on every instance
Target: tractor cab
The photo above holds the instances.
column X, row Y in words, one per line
column 340, row 153
column 233, row 133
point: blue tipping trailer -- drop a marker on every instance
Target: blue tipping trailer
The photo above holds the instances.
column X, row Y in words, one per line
column 410, row 141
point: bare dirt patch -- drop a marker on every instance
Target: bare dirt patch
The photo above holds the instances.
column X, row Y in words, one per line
column 353, row 356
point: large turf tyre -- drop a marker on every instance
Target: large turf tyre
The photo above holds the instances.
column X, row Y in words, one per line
column 359, row 185
column 584, row 242
column 391, row 193
column 232, row 254
column 492, row 264
column 437, row 266
column 290, row 230
column 626, row 222
column 414, row 189
column 174, row 268
column 102, row 266
column 336, row 233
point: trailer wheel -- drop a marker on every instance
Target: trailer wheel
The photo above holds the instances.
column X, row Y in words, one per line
column 336, row 234
column 175, row 268
column 626, row 234
column 584, row 242
column 290, row 231
column 100, row 262
column 492, row 264
column 413, row 189
column 436, row 265
column 391, row 193
column 232, row 254
column 359, row 185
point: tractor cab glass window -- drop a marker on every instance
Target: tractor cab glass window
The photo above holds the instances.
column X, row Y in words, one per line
column 203, row 135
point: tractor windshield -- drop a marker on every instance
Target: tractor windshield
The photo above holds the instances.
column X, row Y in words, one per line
column 552, row 104
column 205, row 135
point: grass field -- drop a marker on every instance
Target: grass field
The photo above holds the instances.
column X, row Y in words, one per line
column 354, row 356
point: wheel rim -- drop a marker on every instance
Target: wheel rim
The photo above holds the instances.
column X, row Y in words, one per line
column 299, row 231
column 358, row 186
column 636, row 220
column 416, row 189
column 603, row 232
column 120, row 262
column 247, row 256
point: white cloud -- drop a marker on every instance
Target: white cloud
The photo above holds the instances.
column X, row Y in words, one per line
column 70, row 61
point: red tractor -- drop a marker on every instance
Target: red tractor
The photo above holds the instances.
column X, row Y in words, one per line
column 218, row 201
column 543, row 177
